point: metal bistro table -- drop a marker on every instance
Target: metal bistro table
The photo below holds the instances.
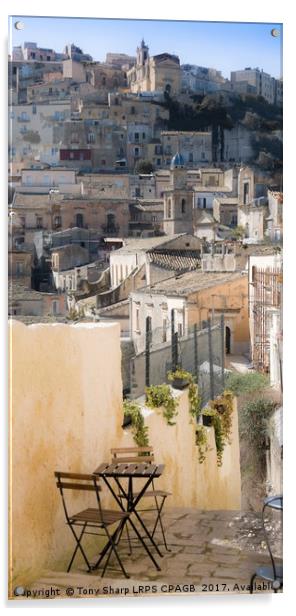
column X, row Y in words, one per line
column 130, row 471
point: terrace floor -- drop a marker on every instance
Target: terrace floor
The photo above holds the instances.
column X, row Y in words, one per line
column 211, row 551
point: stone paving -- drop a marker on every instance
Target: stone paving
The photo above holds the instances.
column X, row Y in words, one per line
column 211, row 551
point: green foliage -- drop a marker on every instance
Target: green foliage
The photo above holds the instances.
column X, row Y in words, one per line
column 161, row 396
column 201, row 442
column 254, row 418
column 193, row 395
column 139, row 430
column 144, row 166
column 238, row 232
column 179, row 373
column 246, row 383
column 221, row 410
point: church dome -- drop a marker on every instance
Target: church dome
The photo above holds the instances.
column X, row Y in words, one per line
column 177, row 161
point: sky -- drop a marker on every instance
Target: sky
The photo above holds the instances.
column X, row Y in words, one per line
column 221, row 45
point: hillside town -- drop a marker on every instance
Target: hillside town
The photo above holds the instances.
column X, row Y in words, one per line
column 106, row 201
column 146, row 203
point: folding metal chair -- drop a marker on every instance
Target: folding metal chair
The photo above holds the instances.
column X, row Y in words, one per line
column 140, row 454
column 91, row 518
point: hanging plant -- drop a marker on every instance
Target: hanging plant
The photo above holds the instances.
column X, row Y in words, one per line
column 132, row 410
column 193, row 395
column 220, row 410
column 201, row 441
column 161, row 396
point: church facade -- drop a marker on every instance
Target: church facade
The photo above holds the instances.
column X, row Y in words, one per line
column 160, row 73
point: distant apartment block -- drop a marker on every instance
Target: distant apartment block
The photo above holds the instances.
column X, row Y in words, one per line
column 262, row 84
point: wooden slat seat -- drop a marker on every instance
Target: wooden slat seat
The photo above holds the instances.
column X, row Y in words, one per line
column 107, row 517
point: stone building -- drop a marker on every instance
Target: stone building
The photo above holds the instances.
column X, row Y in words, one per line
column 195, row 147
column 194, row 297
column 160, row 73
column 36, row 131
column 156, row 256
column 225, row 210
column 275, row 215
column 53, row 212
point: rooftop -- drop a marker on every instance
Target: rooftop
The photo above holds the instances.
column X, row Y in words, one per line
column 19, row 291
column 191, row 282
column 147, row 243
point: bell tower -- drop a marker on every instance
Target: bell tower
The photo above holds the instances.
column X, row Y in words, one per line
column 142, row 53
column 178, row 200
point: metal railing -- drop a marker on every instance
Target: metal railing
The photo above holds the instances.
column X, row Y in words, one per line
column 200, row 350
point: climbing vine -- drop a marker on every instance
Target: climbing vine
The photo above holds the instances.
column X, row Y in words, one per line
column 139, row 430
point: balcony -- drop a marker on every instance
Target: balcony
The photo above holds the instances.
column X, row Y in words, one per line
column 110, row 230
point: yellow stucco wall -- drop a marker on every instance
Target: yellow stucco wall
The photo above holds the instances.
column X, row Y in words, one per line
column 66, row 414
column 231, row 298
column 204, row 486
column 65, row 407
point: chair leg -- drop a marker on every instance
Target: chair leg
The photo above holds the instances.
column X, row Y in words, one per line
column 159, row 521
column 78, row 546
column 252, row 582
column 113, row 548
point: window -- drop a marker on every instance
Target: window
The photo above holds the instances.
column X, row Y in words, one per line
column 169, row 211
column 137, row 136
column 137, row 320
column 190, row 157
column 57, row 222
column 48, row 58
column 103, row 162
column 55, row 307
column 183, row 206
column 246, row 193
column 79, row 220
column 164, row 329
column 202, row 202
column 74, row 138
column 34, row 108
column 144, row 135
column 136, row 152
column 19, row 268
column 133, row 111
column 137, row 192
column 39, row 222
column 91, row 138
column 158, row 162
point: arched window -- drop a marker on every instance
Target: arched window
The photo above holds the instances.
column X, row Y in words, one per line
column 168, row 88
column 183, row 206
column 79, row 220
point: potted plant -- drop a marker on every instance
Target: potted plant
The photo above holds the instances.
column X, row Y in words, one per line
column 207, row 417
column 180, row 378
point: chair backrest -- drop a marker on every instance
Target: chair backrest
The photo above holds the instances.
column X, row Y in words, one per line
column 77, row 481
column 132, row 454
